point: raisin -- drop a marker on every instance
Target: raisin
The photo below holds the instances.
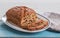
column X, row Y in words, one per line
column 24, row 18
column 28, row 23
column 35, row 17
column 30, row 20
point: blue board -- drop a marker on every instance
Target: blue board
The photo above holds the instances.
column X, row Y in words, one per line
column 6, row 31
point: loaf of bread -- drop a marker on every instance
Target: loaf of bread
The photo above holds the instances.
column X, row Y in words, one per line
column 24, row 17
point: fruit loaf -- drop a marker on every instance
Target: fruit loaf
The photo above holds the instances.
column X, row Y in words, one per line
column 25, row 18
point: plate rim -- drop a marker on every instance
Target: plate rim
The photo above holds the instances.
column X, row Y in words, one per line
column 20, row 29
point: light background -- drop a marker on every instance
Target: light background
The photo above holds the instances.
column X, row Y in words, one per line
column 40, row 6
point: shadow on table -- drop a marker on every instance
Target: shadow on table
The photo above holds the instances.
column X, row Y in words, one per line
column 5, row 27
column 51, row 30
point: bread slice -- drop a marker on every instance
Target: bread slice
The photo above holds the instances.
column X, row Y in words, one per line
column 40, row 24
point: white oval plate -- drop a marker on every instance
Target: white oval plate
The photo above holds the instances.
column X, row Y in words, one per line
column 4, row 19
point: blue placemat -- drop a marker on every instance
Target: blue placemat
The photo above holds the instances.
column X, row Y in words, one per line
column 6, row 31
